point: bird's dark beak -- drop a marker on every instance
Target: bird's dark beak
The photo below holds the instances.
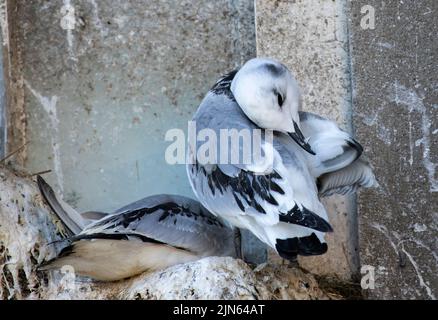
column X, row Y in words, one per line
column 299, row 138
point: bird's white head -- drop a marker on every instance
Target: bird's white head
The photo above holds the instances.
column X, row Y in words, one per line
column 269, row 95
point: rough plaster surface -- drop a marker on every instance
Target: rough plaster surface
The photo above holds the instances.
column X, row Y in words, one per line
column 396, row 116
column 27, row 226
column 2, row 93
column 310, row 37
column 94, row 101
column 15, row 134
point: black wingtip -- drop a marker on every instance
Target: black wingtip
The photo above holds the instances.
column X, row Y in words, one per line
column 305, row 218
column 41, row 182
column 45, row 190
column 355, row 145
column 329, row 227
column 49, row 197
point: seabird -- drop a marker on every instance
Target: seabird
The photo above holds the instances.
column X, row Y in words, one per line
column 150, row 234
column 279, row 201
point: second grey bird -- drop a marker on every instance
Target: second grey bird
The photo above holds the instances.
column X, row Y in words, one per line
column 150, row 234
column 277, row 199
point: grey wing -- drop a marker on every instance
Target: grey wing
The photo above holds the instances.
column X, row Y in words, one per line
column 268, row 198
column 339, row 165
column 174, row 220
column 231, row 186
column 228, row 185
column 347, row 180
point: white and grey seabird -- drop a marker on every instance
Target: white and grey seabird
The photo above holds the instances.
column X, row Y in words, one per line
column 150, row 234
column 312, row 157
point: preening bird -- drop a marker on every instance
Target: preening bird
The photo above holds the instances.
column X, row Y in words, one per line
column 278, row 200
column 150, row 234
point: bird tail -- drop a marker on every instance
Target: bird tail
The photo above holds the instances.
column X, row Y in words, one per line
column 72, row 220
column 309, row 245
column 292, row 240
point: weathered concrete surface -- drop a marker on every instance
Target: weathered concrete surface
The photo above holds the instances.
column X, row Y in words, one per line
column 15, row 118
column 27, row 226
column 94, row 98
column 310, row 37
column 396, row 116
column 2, row 100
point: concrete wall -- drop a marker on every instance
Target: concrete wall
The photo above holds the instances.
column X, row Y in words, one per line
column 95, row 85
column 395, row 81
column 2, row 106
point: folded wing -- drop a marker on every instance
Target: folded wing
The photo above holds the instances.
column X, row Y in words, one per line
column 339, row 166
column 170, row 219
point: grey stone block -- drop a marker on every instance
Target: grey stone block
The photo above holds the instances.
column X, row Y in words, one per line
column 395, row 116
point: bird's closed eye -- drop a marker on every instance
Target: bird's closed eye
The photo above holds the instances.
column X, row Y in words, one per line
column 280, row 99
